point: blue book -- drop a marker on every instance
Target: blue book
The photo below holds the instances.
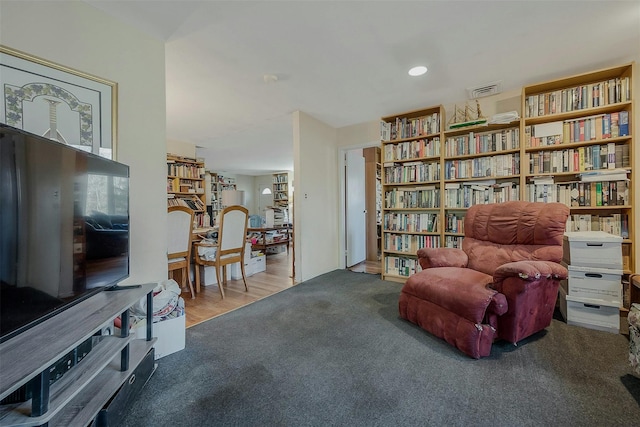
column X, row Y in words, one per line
column 623, row 125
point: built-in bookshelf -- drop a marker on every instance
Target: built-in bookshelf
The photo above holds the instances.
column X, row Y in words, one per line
column 573, row 144
column 185, row 185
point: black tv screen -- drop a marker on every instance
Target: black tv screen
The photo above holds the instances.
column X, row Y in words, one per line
column 64, row 227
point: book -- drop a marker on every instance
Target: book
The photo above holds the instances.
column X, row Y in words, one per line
column 623, row 123
column 615, row 125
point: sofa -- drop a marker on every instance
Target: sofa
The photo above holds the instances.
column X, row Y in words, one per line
column 107, row 235
column 501, row 284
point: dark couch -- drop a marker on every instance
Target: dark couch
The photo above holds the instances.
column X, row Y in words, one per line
column 106, row 235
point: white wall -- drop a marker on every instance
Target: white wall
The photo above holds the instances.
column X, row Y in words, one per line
column 76, row 35
column 181, row 148
column 316, row 198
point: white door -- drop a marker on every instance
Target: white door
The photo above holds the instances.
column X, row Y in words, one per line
column 356, row 237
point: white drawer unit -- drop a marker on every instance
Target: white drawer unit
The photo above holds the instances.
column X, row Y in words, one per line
column 592, row 249
column 589, row 313
column 598, row 283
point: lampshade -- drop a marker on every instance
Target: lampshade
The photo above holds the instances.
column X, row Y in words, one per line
column 232, row 197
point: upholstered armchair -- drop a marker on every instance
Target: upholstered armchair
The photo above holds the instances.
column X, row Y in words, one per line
column 502, row 284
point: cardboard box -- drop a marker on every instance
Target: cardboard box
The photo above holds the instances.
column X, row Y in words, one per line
column 598, row 283
column 592, row 249
column 589, row 313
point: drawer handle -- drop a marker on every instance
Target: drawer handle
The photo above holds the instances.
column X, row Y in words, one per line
column 599, row 276
column 132, row 379
column 594, row 244
column 592, row 306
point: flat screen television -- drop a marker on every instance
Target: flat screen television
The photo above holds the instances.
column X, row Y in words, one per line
column 64, row 227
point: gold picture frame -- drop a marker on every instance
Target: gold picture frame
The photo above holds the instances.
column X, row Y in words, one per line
column 58, row 102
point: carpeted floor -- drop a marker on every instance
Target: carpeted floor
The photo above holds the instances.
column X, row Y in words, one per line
column 333, row 351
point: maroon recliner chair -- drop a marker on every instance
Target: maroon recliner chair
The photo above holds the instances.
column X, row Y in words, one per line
column 502, row 284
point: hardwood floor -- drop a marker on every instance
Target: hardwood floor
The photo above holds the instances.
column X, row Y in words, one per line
column 209, row 304
column 371, row 267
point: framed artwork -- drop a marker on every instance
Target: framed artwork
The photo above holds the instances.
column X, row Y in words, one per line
column 58, row 102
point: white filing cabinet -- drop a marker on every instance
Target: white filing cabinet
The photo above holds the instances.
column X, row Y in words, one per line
column 592, row 295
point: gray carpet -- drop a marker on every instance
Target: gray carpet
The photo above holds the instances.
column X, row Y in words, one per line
column 333, row 351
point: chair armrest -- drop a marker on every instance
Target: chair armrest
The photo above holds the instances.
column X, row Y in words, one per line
column 442, row 257
column 530, row 270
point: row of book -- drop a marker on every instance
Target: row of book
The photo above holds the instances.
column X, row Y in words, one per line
column 419, row 197
column 415, row 149
column 409, row 243
column 453, row 242
column 481, row 167
column 185, row 170
column 616, row 224
column 178, row 185
column 580, row 159
column 193, row 203
column 411, row 222
column 593, row 128
column 454, row 223
column 403, row 127
column 581, row 194
column 280, row 187
column 458, row 195
column 401, row 266
column 592, row 95
column 412, row 172
column 485, row 142
column 280, row 178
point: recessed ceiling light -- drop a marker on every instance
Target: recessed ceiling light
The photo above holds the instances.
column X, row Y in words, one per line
column 270, row 78
column 418, row 71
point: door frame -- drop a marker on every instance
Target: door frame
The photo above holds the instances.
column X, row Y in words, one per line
column 342, row 207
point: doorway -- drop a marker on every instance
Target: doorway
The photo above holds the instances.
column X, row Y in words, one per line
column 365, row 183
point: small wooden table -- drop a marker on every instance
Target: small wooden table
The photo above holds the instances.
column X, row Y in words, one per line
column 263, row 244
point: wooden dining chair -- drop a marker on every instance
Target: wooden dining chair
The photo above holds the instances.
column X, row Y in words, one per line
column 179, row 227
column 230, row 247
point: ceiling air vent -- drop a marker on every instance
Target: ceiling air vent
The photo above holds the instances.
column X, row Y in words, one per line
column 484, row 90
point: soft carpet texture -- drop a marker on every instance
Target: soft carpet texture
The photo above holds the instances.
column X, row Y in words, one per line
column 333, row 351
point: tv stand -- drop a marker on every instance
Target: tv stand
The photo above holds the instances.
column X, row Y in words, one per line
column 81, row 393
column 120, row 288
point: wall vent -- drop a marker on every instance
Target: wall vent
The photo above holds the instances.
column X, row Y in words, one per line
column 484, row 90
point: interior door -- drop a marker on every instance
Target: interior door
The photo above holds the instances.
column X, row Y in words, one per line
column 356, row 237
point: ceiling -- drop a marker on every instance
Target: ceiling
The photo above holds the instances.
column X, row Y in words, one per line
column 346, row 62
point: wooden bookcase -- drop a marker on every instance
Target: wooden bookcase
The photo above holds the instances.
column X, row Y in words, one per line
column 281, row 190
column 411, row 188
column 185, row 185
column 219, row 183
column 523, row 160
column 589, row 110
column 373, row 190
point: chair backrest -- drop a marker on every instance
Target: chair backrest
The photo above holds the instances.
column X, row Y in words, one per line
column 513, row 231
column 179, row 227
column 233, row 229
